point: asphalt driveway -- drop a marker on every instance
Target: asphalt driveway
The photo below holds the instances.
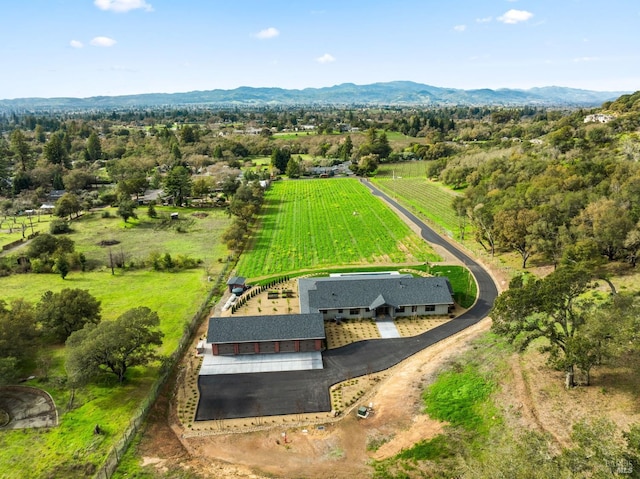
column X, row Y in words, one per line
column 228, row 396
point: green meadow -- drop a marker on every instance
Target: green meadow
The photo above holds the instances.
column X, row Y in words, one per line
column 71, row 449
column 311, row 224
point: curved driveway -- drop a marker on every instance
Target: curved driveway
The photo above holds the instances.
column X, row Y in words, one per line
column 229, row 396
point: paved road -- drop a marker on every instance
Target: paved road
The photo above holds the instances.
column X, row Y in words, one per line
column 228, row 396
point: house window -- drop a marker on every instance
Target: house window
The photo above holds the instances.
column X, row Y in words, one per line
column 354, row 311
column 340, row 311
column 414, row 309
column 429, row 307
column 400, row 309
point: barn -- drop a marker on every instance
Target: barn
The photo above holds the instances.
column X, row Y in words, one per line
column 290, row 333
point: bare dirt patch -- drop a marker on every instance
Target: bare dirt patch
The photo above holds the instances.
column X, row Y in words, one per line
column 105, row 243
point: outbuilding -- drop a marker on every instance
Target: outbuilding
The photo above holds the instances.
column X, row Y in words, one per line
column 235, row 335
column 236, row 282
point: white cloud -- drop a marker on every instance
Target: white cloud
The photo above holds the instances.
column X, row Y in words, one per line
column 76, row 44
column 484, row 20
column 267, row 33
column 103, row 42
column 585, row 59
column 460, row 28
column 326, row 58
column 515, row 16
column 121, row 6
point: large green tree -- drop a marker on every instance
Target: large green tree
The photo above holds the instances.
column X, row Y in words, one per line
column 294, row 168
column 94, row 147
column 68, row 205
column 515, row 229
column 607, row 223
column 126, row 209
column 548, row 308
column 45, row 245
column 280, row 158
column 67, row 311
column 178, row 184
column 114, row 346
column 20, row 148
column 55, row 151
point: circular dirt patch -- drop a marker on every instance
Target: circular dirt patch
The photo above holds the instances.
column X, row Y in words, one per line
column 27, row 407
column 200, row 215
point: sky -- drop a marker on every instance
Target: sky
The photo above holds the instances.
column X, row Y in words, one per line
column 83, row 48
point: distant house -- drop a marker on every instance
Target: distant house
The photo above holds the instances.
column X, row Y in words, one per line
column 291, row 333
column 372, row 296
column 598, row 118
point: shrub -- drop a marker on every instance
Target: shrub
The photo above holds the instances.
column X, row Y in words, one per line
column 108, row 198
column 59, row 226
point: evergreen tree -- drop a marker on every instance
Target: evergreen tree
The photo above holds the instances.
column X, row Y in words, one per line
column 55, row 152
column 178, row 184
column 94, row 148
column 20, row 148
column 280, row 158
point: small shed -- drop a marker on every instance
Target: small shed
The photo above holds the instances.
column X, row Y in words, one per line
column 236, row 282
column 363, row 412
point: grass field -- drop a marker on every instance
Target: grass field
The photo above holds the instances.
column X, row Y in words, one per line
column 174, row 296
column 196, row 234
column 12, row 227
column 309, row 224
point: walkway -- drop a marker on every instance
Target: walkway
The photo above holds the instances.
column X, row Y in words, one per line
column 387, row 328
column 266, row 394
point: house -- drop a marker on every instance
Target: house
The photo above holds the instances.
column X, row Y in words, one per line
column 353, row 295
column 375, row 295
column 598, row 118
column 290, row 333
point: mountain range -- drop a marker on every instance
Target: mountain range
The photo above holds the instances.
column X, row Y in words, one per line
column 390, row 93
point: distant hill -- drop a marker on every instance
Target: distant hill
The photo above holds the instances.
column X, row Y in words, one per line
column 390, row 93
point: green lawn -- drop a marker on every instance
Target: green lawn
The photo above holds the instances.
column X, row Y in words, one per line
column 310, row 224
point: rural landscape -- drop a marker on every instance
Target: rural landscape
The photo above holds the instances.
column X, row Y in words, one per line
column 106, row 293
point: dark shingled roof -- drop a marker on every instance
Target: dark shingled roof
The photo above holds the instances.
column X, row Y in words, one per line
column 236, row 280
column 282, row 327
column 339, row 293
